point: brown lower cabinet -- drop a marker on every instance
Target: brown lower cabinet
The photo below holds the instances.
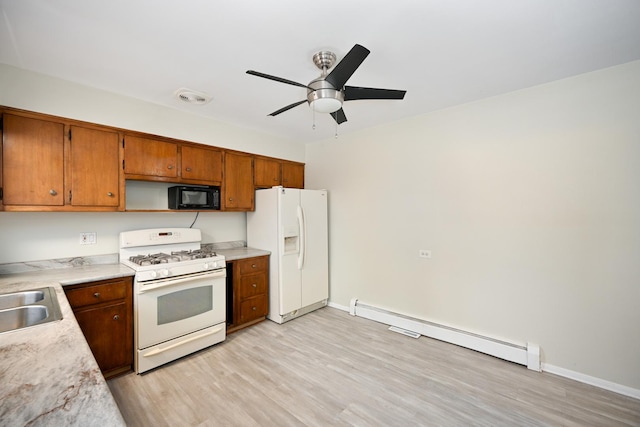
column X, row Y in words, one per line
column 104, row 312
column 248, row 292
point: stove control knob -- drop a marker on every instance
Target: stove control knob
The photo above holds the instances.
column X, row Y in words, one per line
column 153, row 274
column 164, row 272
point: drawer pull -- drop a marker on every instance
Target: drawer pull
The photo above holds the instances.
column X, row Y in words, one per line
column 254, row 285
column 253, row 308
column 53, row 192
column 188, row 169
column 110, row 194
column 170, row 167
column 253, row 266
column 97, row 295
column 116, row 317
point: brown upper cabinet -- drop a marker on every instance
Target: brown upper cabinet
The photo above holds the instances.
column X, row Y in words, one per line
column 237, row 190
column 53, row 166
column 270, row 172
column 94, row 168
column 147, row 158
column 201, row 164
column 292, row 175
column 161, row 160
column 267, row 173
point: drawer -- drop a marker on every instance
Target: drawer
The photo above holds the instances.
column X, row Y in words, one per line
column 253, row 308
column 97, row 294
column 252, row 285
column 253, row 265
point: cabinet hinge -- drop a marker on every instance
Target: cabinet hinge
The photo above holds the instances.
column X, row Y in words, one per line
column 122, row 164
column 0, row 193
column 122, row 142
column 69, row 134
column 1, row 123
column 69, row 196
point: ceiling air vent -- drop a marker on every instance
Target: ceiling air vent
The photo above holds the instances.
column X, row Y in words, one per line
column 192, row 97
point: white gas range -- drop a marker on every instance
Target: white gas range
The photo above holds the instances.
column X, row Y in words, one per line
column 179, row 294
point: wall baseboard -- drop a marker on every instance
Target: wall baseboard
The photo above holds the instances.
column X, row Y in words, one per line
column 531, row 360
column 594, row 381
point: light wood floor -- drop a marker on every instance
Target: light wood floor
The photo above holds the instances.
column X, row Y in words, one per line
column 330, row 369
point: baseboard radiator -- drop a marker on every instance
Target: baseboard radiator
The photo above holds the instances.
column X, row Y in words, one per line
column 527, row 355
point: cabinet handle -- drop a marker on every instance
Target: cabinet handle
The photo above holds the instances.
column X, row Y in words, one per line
column 253, row 266
column 53, row 192
column 231, row 199
column 188, row 169
column 110, row 194
column 254, row 285
column 97, row 295
column 275, row 179
column 170, row 167
column 253, row 308
column 116, row 317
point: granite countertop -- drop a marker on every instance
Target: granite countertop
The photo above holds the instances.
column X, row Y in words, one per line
column 48, row 375
column 240, row 253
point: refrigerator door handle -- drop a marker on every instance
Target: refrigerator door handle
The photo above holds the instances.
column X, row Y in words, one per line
column 303, row 237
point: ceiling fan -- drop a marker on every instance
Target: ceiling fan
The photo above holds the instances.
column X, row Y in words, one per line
column 327, row 93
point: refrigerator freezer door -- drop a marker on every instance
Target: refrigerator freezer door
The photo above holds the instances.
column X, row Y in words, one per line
column 315, row 270
column 289, row 228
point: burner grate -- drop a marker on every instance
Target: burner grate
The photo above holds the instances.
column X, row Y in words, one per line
column 174, row 256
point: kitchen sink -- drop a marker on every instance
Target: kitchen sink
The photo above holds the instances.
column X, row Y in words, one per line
column 18, row 299
column 28, row 308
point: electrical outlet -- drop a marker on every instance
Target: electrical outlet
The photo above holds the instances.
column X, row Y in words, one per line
column 88, row 238
column 424, row 253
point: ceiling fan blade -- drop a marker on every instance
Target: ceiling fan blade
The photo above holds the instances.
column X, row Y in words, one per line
column 352, row 93
column 288, row 107
column 277, row 79
column 339, row 116
column 347, row 66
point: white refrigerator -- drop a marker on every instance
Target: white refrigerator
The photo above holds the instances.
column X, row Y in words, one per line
column 292, row 224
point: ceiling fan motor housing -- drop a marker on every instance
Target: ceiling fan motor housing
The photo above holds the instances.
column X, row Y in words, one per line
column 323, row 97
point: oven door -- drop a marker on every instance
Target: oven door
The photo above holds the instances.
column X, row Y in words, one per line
column 171, row 308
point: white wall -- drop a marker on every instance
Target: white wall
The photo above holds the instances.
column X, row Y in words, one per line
column 530, row 202
column 38, row 236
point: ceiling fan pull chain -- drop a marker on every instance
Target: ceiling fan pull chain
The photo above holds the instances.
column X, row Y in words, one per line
column 313, row 112
column 336, row 130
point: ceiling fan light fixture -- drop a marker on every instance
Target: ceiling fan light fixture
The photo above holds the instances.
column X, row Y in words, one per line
column 326, row 105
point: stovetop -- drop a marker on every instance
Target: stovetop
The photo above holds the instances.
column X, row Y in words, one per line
column 165, row 253
column 173, row 256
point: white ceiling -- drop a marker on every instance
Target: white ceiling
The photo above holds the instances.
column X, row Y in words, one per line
column 443, row 52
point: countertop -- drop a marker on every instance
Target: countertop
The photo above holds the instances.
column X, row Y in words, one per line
column 240, row 253
column 48, row 375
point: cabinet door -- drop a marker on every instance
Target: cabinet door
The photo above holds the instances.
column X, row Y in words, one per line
column 150, row 157
column 94, row 167
column 106, row 331
column 201, row 165
column 238, row 182
column 267, row 173
column 292, row 175
column 33, row 162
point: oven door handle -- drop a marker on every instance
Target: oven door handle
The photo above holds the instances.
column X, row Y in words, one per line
column 178, row 344
column 173, row 282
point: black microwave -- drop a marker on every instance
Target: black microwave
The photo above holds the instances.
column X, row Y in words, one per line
column 189, row 197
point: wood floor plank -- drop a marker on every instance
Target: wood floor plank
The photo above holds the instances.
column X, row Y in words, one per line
column 328, row 368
